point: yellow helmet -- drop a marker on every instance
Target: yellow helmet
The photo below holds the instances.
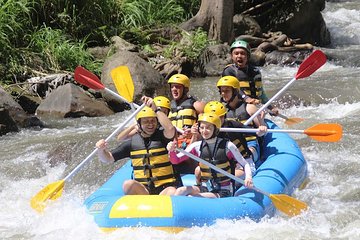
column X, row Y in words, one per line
column 145, row 112
column 180, row 79
column 210, row 118
column 215, row 107
column 228, row 81
column 161, row 101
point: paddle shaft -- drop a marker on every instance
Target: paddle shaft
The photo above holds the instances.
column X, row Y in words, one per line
column 270, row 101
column 75, row 170
column 192, row 156
column 133, row 105
column 282, row 116
column 254, row 130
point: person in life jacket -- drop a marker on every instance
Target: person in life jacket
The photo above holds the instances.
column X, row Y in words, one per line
column 240, row 111
column 184, row 109
column 251, row 86
column 237, row 138
column 221, row 152
column 162, row 103
column 153, row 172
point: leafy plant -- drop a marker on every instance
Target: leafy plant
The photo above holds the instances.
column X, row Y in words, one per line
column 150, row 12
column 191, row 45
column 58, row 51
column 13, row 18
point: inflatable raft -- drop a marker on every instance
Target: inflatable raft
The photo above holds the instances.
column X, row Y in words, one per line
column 282, row 170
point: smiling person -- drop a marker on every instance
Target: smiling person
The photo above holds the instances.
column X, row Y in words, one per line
column 251, row 86
column 241, row 111
column 221, row 152
column 153, row 172
column 162, row 104
column 184, row 109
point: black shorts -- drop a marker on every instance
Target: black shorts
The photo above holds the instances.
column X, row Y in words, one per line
column 159, row 189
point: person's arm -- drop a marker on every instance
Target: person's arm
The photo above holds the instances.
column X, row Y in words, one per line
column 176, row 158
column 199, row 106
column 128, row 132
column 236, row 155
column 169, row 129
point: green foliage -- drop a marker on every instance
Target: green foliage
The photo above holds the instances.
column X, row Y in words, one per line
column 13, row 18
column 58, row 51
column 147, row 13
column 190, row 7
column 191, row 45
column 97, row 20
column 52, row 35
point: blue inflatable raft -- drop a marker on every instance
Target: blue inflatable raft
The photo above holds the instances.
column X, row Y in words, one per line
column 283, row 170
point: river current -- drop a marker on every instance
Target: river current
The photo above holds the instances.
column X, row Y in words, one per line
column 333, row 193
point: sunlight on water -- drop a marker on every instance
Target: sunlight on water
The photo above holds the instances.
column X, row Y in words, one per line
column 332, row 193
column 343, row 25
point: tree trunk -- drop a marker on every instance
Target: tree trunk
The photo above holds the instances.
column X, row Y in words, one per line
column 215, row 17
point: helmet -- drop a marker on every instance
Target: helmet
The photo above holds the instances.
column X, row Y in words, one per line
column 228, row 81
column 240, row 44
column 161, row 101
column 215, row 107
column 210, row 118
column 145, row 112
column 180, row 79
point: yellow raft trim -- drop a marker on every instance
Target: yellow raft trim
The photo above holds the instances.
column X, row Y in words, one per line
column 165, row 229
column 134, row 206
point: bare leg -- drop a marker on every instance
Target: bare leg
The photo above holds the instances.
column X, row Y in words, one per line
column 168, row 191
column 198, row 175
column 187, row 190
column 209, row 195
column 132, row 187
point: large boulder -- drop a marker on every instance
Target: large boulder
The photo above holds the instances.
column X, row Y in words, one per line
column 15, row 114
column 146, row 79
column 213, row 60
column 7, row 124
column 71, row 101
column 307, row 23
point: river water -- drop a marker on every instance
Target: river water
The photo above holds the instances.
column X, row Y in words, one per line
column 333, row 193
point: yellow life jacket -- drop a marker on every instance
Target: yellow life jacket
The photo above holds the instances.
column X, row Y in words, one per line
column 253, row 89
column 150, row 161
column 183, row 114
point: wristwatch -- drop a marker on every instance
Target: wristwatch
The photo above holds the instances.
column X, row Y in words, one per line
column 157, row 109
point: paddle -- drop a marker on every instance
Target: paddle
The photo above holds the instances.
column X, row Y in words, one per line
column 307, row 67
column 123, row 81
column 90, row 80
column 286, row 204
column 54, row 190
column 290, row 121
column 121, row 76
column 323, row 132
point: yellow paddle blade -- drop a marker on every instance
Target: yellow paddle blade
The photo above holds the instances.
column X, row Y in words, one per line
column 51, row 191
column 288, row 205
column 291, row 121
column 325, row 132
column 123, row 82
